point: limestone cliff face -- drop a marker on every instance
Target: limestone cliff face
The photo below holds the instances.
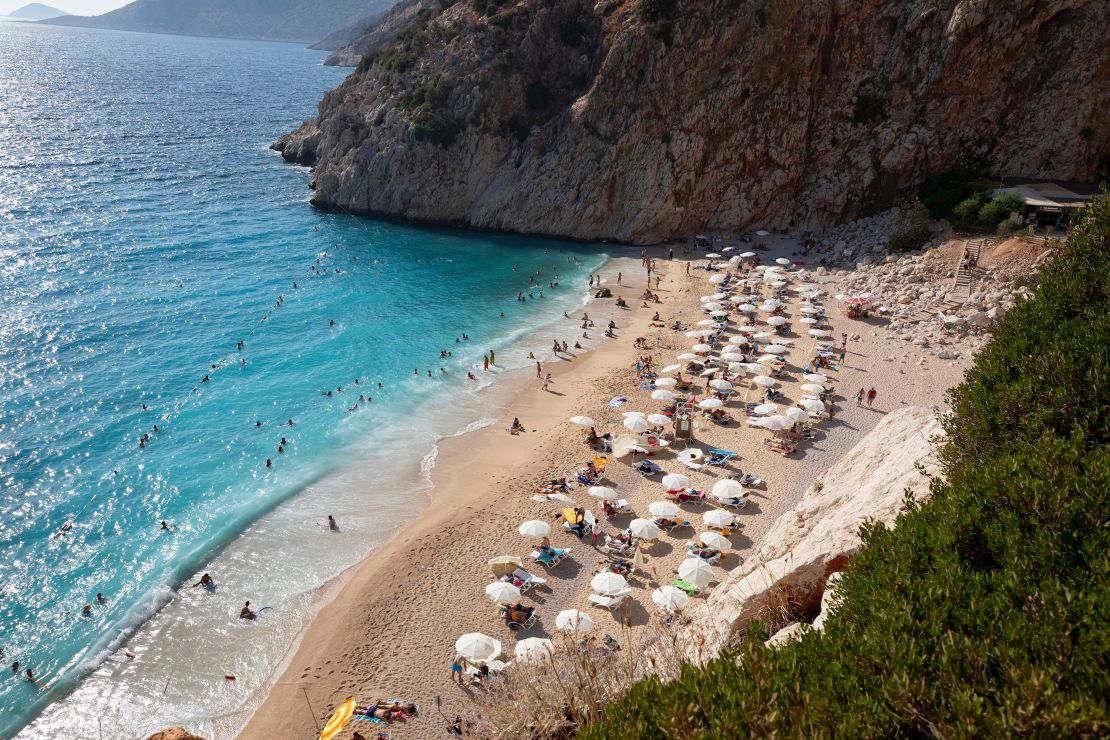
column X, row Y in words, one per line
column 569, row 118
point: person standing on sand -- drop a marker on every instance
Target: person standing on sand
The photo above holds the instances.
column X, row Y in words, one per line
column 859, row 397
column 539, row 369
column 546, row 382
column 619, row 278
column 457, row 668
column 871, row 396
column 485, row 362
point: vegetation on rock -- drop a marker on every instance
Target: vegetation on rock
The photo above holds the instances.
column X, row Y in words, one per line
column 982, row 614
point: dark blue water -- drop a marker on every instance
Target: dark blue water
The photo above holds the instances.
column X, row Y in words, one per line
column 145, row 230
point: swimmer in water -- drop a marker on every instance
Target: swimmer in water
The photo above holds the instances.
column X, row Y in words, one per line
column 86, row 610
column 332, row 524
column 100, row 599
column 246, row 613
column 204, row 379
column 206, row 581
column 166, row 526
column 257, row 423
column 64, row 528
column 269, row 463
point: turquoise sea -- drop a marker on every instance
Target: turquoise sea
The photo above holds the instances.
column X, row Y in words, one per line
column 145, row 231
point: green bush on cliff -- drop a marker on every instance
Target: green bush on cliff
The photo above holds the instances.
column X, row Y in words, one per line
column 984, row 612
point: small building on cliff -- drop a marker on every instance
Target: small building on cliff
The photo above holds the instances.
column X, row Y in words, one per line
column 1049, row 204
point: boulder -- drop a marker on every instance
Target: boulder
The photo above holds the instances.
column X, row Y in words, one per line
column 786, row 575
column 792, row 631
column 174, row 733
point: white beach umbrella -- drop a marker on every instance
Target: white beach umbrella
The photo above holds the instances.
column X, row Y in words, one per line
column 812, row 404
column 604, row 493
column 662, row 396
column 644, row 529
column 675, row 481
column 607, row 583
column 707, row 372
column 702, row 348
column 734, row 260
column 797, row 414
column 810, row 309
column 670, row 597
column 720, row 384
column 746, row 255
column 663, row 508
column 625, row 446
column 572, row 620
column 477, row 647
column 718, row 279
column 727, row 488
column 808, row 320
column 713, row 256
column 763, row 335
column 756, row 367
column 582, row 421
column 641, row 414
column 690, row 454
column 711, row 403
column 777, row 349
column 782, row 261
column 820, row 333
column 767, row 358
column 715, row 541
column 534, row 650
column 765, row 381
column 671, row 368
column 816, row 377
column 501, row 592
column 665, row 382
column 778, row 283
column 636, row 424
column 659, row 420
column 719, row 518
column 534, row 528
column 705, row 332
column 812, row 388
column 778, row 321
column 693, row 334
column 776, row 423
column 687, row 356
column 746, row 308
column 732, row 357
column 696, row 571
column 764, row 409
column 562, row 497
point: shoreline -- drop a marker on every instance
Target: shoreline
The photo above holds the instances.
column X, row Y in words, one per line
column 390, row 629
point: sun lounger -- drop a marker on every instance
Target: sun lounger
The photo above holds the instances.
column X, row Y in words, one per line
column 617, row 547
column 525, row 580
column 513, row 624
column 736, row 502
column 720, row 458
column 687, row 497
column 550, row 560
column 689, row 588
column 693, row 465
column 752, row 480
column 659, row 523
column 610, row 602
column 647, row 467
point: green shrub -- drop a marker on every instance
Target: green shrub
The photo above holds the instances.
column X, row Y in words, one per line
column 572, row 31
column 983, row 613
column 537, row 96
column 942, row 193
column 911, row 229
column 998, row 209
column 1010, row 226
column 966, row 214
column 652, row 11
column 435, row 128
column 869, row 109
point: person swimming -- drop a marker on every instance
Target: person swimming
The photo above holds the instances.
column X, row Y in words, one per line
column 205, row 581
column 246, row 613
column 101, row 599
column 332, row 524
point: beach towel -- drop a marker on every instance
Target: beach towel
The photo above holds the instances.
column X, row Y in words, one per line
column 617, row 401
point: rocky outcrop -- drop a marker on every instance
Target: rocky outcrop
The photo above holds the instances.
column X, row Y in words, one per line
column 174, row 733
column 785, row 579
column 580, row 119
column 353, row 43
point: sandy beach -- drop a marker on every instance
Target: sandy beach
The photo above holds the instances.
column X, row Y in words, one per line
column 390, row 630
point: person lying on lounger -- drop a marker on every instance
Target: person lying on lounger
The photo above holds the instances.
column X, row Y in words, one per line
column 519, row 613
column 388, row 710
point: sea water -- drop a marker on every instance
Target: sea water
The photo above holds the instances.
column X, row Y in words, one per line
column 145, row 231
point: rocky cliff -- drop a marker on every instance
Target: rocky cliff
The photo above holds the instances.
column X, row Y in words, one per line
column 786, row 577
column 644, row 120
column 351, row 44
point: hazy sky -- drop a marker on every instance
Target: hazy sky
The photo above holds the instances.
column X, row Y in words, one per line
column 77, row 7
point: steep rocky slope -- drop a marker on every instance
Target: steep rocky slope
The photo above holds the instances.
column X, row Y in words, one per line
column 371, row 34
column 584, row 120
column 786, row 577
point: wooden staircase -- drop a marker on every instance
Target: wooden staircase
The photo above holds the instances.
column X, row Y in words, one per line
column 961, row 285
